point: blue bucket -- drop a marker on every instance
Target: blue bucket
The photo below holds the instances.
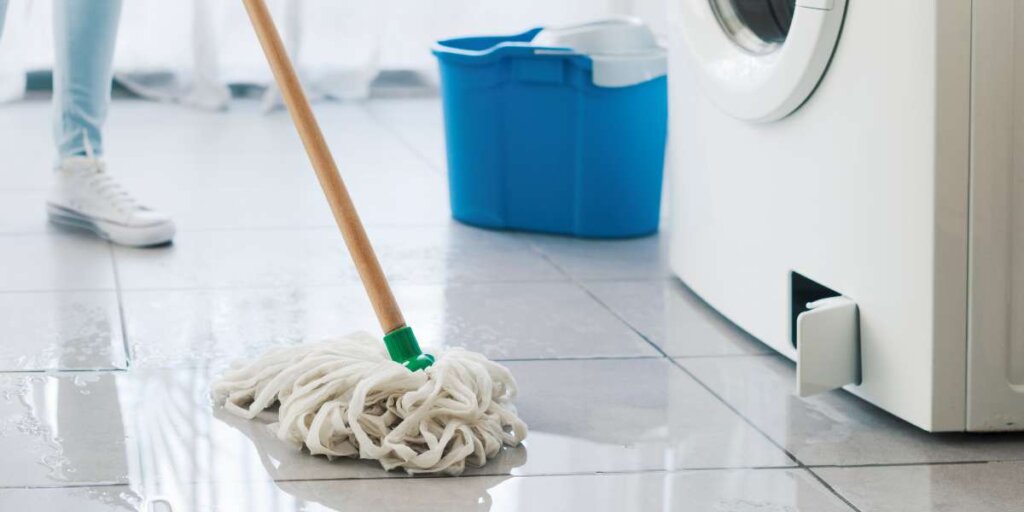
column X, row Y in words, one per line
column 534, row 144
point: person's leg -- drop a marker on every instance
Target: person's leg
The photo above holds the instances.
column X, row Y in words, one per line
column 84, row 36
column 84, row 195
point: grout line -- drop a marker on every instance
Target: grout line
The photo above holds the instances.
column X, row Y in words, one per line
column 906, row 464
column 216, row 364
column 397, row 284
column 707, row 388
column 57, row 290
column 649, row 279
column 736, row 411
column 583, row 284
column 727, row 356
column 769, row 438
column 651, row 471
column 223, row 364
column 624, row 322
column 402, row 477
column 567, row 277
column 326, row 226
column 67, row 486
column 120, row 307
column 61, row 371
column 304, row 227
column 574, row 358
column 831, row 489
column 402, row 140
column 595, row 298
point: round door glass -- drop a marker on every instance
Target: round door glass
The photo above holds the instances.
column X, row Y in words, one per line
column 757, row 26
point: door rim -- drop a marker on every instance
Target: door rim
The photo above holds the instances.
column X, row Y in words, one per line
column 762, row 87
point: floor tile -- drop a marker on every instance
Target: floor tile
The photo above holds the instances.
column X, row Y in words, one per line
column 836, row 428
column 107, row 498
column 60, row 331
column 364, row 139
column 181, row 439
column 63, row 260
column 728, row 490
column 22, row 212
column 60, row 430
column 28, row 161
column 674, row 318
column 273, row 165
column 631, row 415
column 419, row 123
column 500, row 320
column 522, row 321
column 698, row 491
column 208, row 149
column 986, row 487
column 737, row 490
column 246, row 147
column 633, row 258
column 317, row 257
column 239, row 170
column 258, row 263
column 423, row 199
column 249, row 169
column 585, row 416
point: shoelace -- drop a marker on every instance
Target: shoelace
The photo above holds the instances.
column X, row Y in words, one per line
column 111, row 190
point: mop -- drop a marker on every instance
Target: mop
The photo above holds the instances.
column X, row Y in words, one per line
column 354, row 396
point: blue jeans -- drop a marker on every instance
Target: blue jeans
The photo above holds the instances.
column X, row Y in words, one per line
column 84, row 35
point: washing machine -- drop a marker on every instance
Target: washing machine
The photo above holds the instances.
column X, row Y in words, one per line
column 845, row 185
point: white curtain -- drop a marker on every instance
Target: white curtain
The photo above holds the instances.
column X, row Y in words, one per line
column 189, row 51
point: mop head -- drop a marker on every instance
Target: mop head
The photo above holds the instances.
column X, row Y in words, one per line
column 345, row 398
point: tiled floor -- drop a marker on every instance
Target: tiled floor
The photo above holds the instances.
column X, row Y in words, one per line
column 639, row 397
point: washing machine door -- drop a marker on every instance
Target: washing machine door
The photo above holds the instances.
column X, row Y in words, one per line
column 759, row 60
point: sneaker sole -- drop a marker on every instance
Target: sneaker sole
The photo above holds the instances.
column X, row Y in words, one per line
column 132, row 236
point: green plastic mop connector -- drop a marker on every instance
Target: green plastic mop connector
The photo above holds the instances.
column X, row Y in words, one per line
column 403, row 348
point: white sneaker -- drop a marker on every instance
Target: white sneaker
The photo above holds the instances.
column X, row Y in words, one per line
column 85, row 196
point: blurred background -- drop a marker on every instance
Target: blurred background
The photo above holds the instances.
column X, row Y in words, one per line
column 191, row 52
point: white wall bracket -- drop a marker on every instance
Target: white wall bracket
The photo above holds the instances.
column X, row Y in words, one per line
column 828, row 346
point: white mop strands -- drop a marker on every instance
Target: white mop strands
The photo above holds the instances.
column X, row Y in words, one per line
column 345, row 398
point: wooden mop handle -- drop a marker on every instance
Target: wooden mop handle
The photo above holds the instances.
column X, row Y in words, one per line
column 370, row 272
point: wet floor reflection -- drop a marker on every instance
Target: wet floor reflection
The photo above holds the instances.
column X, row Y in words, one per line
column 59, row 306
column 195, row 456
column 132, row 439
column 63, row 430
